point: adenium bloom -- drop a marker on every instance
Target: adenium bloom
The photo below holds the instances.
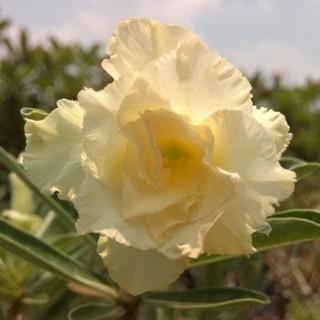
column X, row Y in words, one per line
column 169, row 161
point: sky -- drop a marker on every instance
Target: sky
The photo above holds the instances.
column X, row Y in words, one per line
column 273, row 36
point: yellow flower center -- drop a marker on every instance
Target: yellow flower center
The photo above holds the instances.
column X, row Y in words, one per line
column 173, row 156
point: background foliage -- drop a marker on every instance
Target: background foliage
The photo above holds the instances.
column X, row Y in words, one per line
column 38, row 75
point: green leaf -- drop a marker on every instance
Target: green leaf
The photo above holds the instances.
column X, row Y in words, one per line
column 33, row 114
column 288, row 162
column 206, row 298
column 97, row 311
column 42, row 254
column 288, row 227
column 304, row 170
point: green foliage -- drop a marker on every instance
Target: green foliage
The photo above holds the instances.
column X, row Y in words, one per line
column 35, row 250
column 206, row 298
column 301, row 106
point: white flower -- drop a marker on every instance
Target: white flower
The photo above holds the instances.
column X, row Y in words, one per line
column 177, row 161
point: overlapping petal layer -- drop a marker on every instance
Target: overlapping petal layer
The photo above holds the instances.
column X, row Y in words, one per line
column 276, row 125
column 53, row 152
column 192, row 81
column 136, row 42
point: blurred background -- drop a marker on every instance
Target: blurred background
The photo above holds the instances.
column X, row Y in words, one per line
column 52, row 49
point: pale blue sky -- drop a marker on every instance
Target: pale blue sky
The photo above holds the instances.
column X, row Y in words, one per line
column 271, row 35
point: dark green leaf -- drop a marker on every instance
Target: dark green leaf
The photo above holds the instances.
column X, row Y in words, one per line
column 290, row 227
column 97, row 311
column 304, row 170
column 207, row 298
column 288, row 162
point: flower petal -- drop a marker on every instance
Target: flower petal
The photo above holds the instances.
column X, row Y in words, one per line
column 230, row 234
column 109, row 98
column 276, row 125
column 103, row 143
column 138, row 271
column 53, row 151
column 196, row 81
column 136, row 42
column 100, row 210
column 251, row 153
column 216, row 193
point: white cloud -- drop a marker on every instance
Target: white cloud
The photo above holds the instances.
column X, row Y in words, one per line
column 95, row 19
column 276, row 58
column 270, row 35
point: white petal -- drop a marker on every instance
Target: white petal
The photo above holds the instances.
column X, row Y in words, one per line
column 103, row 143
column 243, row 146
column 216, row 193
column 100, row 210
column 188, row 239
column 276, row 125
column 196, row 82
column 53, row 151
column 230, row 234
column 136, row 42
column 141, row 99
column 138, row 271
column 108, row 98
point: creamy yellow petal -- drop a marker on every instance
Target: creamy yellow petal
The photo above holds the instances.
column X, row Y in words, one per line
column 109, row 98
column 53, row 152
column 230, row 234
column 136, row 42
column 276, row 125
column 187, row 240
column 103, row 143
column 138, row 271
column 243, row 146
column 141, row 99
column 197, row 82
column 214, row 195
column 100, row 211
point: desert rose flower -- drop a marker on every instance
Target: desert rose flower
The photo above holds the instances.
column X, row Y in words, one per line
column 169, row 161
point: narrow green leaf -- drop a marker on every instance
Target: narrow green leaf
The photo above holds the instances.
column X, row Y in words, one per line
column 288, row 162
column 288, row 227
column 207, row 298
column 97, row 311
column 304, row 170
column 42, row 254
